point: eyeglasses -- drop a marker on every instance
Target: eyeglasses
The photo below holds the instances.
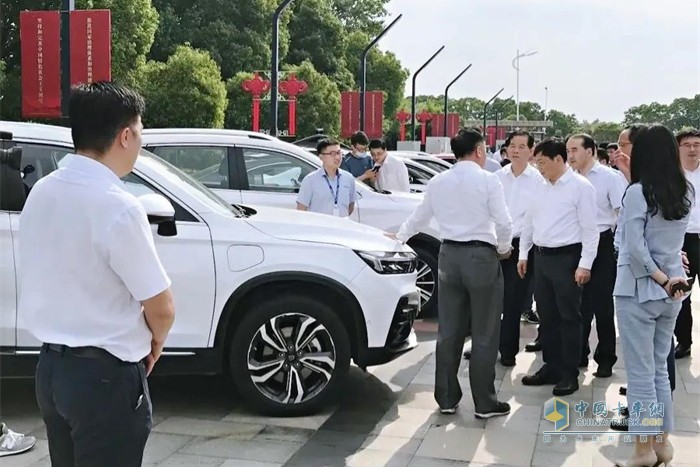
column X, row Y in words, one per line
column 332, row 153
column 689, row 146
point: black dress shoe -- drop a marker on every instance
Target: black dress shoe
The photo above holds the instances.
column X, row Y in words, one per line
column 535, row 346
column 682, row 351
column 541, row 378
column 623, row 390
column 502, row 408
column 565, row 387
column 621, row 423
column 509, row 362
column 583, row 363
column 467, row 354
column 603, row 371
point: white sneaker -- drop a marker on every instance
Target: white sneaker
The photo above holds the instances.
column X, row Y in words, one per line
column 14, row 443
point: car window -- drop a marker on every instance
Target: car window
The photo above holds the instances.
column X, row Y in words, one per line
column 436, row 166
column 207, row 165
column 417, row 176
column 38, row 161
column 274, row 171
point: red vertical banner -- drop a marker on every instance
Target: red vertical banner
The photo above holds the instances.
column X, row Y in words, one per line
column 40, row 39
column 452, row 124
column 90, row 46
column 437, row 128
column 374, row 114
column 349, row 113
column 490, row 135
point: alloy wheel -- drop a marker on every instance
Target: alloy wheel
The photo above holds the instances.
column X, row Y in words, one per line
column 425, row 282
column 291, row 358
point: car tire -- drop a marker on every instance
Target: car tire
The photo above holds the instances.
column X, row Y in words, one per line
column 308, row 376
column 427, row 277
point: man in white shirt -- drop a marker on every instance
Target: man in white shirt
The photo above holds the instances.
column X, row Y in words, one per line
column 689, row 145
column 392, row 174
column 520, row 182
column 563, row 230
column 92, row 288
column 469, row 207
column 597, row 299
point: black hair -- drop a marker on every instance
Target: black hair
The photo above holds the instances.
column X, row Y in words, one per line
column 587, row 142
column 359, row 137
column 656, row 165
column 614, row 146
column 377, row 143
column 603, row 155
column 551, row 148
column 530, row 138
column 99, row 111
column 681, row 135
column 465, row 142
column 324, row 143
column 634, row 131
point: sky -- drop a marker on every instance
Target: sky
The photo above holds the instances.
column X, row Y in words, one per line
column 596, row 57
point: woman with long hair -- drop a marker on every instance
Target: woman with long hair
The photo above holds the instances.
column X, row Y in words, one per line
column 651, row 230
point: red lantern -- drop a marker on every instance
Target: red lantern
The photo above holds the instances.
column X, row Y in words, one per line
column 424, row 117
column 403, row 117
column 292, row 87
column 258, row 87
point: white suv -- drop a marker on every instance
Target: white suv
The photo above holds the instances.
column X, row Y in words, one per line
column 250, row 168
column 281, row 300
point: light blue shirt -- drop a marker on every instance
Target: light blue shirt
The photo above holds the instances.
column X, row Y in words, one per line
column 318, row 191
column 646, row 243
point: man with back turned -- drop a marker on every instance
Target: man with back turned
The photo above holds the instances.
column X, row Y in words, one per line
column 469, row 206
column 93, row 289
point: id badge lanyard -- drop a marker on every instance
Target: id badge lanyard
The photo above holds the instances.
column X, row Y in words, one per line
column 336, row 211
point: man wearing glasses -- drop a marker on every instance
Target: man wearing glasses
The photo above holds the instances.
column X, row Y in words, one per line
column 358, row 162
column 328, row 190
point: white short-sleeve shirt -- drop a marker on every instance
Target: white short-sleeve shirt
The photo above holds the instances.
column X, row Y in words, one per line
column 86, row 261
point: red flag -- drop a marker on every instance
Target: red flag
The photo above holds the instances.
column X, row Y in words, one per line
column 374, row 114
column 452, row 124
column 90, row 46
column 349, row 113
column 40, row 39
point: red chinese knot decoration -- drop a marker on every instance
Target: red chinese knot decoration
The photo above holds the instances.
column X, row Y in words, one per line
column 292, row 87
column 257, row 87
column 424, row 117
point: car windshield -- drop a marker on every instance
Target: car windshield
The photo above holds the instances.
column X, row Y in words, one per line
column 189, row 184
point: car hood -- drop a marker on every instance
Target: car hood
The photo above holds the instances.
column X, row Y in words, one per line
column 289, row 224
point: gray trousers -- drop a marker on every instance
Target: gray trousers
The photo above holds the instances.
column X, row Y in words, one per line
column 470, row 285
column 646, row 333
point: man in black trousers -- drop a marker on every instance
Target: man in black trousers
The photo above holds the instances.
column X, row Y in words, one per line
column 562, row 229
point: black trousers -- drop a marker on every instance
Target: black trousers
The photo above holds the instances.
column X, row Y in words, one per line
column 558, row 300
column 97, row 411
column 597, row 300
column 515, row 292
column 684, row 322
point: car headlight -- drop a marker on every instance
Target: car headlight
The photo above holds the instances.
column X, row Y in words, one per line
column 390, row 262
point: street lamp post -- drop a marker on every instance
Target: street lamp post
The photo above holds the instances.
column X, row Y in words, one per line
column 413, row 92
column 275, row 68
column 498, row 111
column 516, row 65
column 546, row 96
column 66, row 7
column 486, row 106
column 363, row 70
column 447, row 90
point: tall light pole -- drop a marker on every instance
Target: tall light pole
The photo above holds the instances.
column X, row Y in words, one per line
column 447, row 90
column 516, row 65
column 486, row 106
column 413, row 92
column 546, row 96
column 274, row 78
column 363, row 70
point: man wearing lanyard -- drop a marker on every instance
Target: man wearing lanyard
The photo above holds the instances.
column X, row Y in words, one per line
column 597, row 296
column 328, row 190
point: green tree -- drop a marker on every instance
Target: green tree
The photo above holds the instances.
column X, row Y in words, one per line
column 186, row 91
column 564, row 124
column 602, row 131
column 2, row 75
column 361, row 15
column 237, row 34
column 647, row 114
column 684, row 112
column 319, row 107
column 134, row 24
column 239, row 110
column 9, row 26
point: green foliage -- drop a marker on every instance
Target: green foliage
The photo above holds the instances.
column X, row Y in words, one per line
column 319, row 107
column 361, row 15
column 679, row 113
column 134, row 24
column 187, row 91
column 2, row 75
column 563, row 124
column 602, row 131
column 237, row 34
column 239, row 111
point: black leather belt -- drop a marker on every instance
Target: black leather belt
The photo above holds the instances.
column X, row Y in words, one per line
column 607, row 233
column 82, row 352
column 469, row 243
column 560, row 250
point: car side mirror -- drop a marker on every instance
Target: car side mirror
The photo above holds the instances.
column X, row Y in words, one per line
column 160, row 212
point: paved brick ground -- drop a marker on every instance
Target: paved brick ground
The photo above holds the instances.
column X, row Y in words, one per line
column 385, row 417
